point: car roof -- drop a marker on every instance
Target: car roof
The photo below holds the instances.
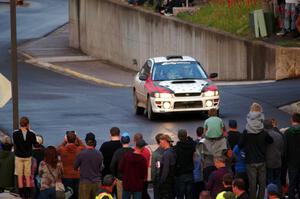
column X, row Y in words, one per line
column 171, row 59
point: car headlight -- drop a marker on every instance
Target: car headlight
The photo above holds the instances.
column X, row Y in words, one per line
column 210, row 93
column 162, row 95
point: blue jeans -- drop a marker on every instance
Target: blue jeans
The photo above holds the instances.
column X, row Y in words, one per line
column 294, row 182
column 128, row 194
column 184, row 185
column 47, row 193
column 273, row 176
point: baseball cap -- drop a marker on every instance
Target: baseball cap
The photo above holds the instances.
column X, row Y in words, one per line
column 167, row 138
column 232, row 123
column 125, row 138
column 272, row 189
column 141, row 143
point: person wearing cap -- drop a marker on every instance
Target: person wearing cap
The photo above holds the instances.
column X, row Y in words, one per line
column 106, row 189
column 116, row 159
column 155, row 165
column 274, row 154
column 233, row 135
column 133, row 167
column 146, row 153
column 89, row 162
column 109, row 148
column 273, row 191
column 184, row 178
column 167, row 174
column 68, row 151
column 7, row 165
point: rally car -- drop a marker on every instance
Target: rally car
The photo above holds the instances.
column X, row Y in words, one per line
column 173, row 84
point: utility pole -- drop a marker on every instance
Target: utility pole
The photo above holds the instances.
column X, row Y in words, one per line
column 14, row 66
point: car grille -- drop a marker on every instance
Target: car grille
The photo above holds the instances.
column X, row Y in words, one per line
column 182, row 105
column 187, row 94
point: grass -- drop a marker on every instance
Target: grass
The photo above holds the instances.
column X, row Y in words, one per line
column 228, row 16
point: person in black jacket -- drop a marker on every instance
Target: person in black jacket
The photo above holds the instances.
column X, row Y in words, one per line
column 254, row 142
column 184, row 167
column 292, row 136
column 24, row 139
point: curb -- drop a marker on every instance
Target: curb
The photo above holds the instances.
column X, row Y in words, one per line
column 70, row 72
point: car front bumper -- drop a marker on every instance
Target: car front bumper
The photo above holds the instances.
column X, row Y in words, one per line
column 184, row 104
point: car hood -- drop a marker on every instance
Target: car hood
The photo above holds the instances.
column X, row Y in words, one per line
column 185, row 86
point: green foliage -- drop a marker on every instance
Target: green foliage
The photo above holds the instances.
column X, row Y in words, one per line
column 230, row 16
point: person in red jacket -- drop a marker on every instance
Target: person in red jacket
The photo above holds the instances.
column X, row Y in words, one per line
column 133, row 166
column 68, row 151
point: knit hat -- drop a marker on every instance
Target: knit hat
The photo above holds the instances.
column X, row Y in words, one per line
column 125, row 138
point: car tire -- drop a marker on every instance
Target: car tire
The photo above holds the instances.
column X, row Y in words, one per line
column 138, row 110
column 150, row 114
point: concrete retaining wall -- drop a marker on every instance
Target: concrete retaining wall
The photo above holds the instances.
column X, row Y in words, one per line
column 121, row 33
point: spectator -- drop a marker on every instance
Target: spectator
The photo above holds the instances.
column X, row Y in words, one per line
column 184, row 178
column 254, row 142
column 108, row 149
column 199, row 134
column 238, row 188
column 23, row 140
column 38, row 153
column 274, row 154
column 215, row 182
column 227, row 183
column 204, row 195
column 198, row 176
column 68, row 151
column 50, row 171
column 292, row 136
column 166, row 180
column 106, row 188
column 89, row 161
column 155, row 165
column 32, row 178
column 7, row 165
column 290, row 16
column 133, row 166
column 233, row 134
column 146, row 153
column 273, row 191
column 117, row 157
column 240, row 165
column 213, row 126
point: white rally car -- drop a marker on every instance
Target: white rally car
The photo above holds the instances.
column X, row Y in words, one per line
column 173, row 84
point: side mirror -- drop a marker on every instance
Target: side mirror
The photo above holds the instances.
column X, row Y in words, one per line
column 213, row 75
column 143, row 77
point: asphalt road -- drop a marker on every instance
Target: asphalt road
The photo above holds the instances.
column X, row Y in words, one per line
column 56, row 103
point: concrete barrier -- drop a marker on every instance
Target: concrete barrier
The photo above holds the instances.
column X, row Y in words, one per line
column 121, row 33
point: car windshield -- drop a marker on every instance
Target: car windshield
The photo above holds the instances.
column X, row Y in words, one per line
column 178, row 71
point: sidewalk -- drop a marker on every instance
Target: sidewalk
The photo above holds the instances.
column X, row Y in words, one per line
column 53, row 52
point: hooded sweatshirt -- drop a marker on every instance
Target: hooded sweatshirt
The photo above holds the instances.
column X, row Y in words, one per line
column 134, row 169
column 184, row 157
column 254, row 139
column 68, row 155
column 292, row 136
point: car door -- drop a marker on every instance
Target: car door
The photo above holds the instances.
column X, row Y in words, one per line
column 141, row 91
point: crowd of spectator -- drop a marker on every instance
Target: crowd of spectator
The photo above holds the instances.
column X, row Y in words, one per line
column 219, row 163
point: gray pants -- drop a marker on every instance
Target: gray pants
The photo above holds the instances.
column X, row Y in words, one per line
column 257, row 177
column 290, row 16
